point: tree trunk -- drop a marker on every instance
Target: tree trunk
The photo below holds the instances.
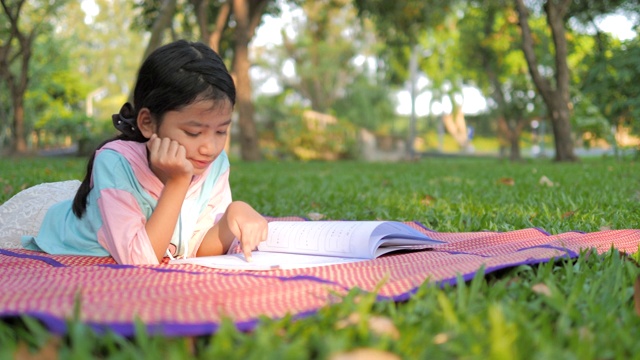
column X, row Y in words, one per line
column 561, row 126
column 18, row 95
column 18, row 88
column 556, row 98
column 212, row 37
column 515, row 150
column 512, row 131
column 19, row 139
column 202, row 17
column 160, row 24
column 18, row 83
column 250, row 150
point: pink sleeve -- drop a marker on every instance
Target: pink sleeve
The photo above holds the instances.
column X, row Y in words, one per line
column 217, row 205
column 123, row 231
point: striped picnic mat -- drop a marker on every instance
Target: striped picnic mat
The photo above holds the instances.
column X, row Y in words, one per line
column 185, row 300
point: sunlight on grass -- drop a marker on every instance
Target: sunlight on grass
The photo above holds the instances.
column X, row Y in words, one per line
column 581, row 308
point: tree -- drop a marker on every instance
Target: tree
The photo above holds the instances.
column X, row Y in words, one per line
column 609, row 72
column 55, row 98
column 611, row 84
column 247, row 15
column 161, row 22
column 491, row 57
column 400, row 25
column 411, row 28
column 444, row 67
column 333, row 82
column 334, row 73
column 73, row 56
column 204, row 11
column 233, row 23
column 5, row 115
column 24, row 23
column 555, row 94
column 321, row 55
column 367, row 104
column 587, row 12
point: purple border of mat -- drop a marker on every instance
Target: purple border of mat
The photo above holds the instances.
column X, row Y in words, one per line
column 58, row 325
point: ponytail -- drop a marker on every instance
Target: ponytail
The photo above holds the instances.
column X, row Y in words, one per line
column 125, row 122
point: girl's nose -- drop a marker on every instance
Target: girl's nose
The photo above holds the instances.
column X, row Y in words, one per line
column 207, row 146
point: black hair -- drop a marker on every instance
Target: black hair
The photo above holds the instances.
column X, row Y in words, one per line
column 172, row 77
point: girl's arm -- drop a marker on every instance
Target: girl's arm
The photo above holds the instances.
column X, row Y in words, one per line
column 162, row 221
column 240, row 221
column 168, row 161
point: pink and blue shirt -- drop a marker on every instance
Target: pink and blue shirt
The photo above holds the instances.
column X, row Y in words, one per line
column 124, row 192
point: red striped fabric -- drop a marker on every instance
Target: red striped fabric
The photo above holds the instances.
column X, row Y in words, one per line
column 180, row 300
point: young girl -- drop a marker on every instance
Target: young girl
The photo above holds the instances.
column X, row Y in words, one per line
column 161, row 188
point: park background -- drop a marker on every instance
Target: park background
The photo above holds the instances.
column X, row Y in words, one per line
column 339, row 79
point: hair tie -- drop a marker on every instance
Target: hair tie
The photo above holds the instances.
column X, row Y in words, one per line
column 125, row 122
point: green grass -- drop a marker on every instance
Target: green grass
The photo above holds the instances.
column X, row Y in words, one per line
column 578, row 309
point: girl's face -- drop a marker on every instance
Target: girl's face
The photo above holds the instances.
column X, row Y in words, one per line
column 202, row 128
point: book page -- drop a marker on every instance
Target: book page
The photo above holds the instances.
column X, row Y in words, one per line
column 330, row 238
column 264, row 261
column 302, row 244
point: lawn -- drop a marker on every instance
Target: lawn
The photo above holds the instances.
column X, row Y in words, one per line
column 570, row 309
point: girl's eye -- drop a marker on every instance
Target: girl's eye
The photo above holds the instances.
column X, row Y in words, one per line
column 191, row 134
column 222, row 132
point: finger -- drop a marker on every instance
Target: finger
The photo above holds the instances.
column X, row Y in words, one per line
column 152, row 139
column 153, row 144
column 168, row 150
column 182, row 157
column 181, row 152
column 174, row 148
column 165, row 146
column 246, row 250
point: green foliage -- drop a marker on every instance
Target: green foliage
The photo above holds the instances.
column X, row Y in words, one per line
column 294, row 132
column 148, row 11
column 367, row 104
column 305, row 139
column 323, row 57
column 69, row 61
column 107, row 59
column 587, row 11
column 332, row 76
column 611, row 83
column 401, row 22
column 580, row 308
column 401, row 25
column 587, row 119
column 55, row 99
column 23, row 23
column 493, row 60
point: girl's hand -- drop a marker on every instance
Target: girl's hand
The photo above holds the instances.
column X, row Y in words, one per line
column 168, row 159
column 247, row 225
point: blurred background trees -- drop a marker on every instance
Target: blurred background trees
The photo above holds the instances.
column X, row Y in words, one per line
column 326, row 79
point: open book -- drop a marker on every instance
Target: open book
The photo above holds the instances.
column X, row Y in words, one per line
column 299, row 244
